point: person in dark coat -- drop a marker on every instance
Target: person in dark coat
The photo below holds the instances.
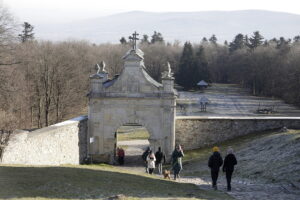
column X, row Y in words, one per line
column 121, row 155
column 176, row 161
column 144, row 157
column 214, row 163
column 160, row 157
column 228, row 166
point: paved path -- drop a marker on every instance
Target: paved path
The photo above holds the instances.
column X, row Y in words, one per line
column 133, row 154
column 245, row 190
column 134, row 147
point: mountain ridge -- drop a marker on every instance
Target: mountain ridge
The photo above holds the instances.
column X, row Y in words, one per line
column 183, row 26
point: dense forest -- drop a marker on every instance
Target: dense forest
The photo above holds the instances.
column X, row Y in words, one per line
column 44, row 82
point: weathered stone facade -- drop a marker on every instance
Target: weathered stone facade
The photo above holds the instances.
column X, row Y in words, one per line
column 132, row 97
column 63, row 143
column 196, row 132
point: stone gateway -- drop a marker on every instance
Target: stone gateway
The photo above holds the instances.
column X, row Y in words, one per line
column 131, row 97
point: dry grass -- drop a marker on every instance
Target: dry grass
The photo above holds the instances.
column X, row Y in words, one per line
column 132, row 133
column 270, row 156
column 92, row 182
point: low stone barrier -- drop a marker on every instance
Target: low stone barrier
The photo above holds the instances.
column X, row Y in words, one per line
column 195, row 132
column 62, row 143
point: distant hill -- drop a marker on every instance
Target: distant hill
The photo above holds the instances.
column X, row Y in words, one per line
column 183, row 26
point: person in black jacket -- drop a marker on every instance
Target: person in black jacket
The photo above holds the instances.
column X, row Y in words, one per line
column 160, row 157
column 214, row 163
column 144, row 157
column 228, row 166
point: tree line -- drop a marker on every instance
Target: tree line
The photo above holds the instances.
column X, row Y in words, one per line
column 44, row 82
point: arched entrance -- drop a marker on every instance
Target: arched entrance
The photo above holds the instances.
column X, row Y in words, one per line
column 133, row 139
column 131, row 98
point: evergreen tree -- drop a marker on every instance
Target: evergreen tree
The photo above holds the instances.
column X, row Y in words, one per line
column 213, row 39
column 123, row 41
column 204, row 39
column 266, row 43
column 185, row 71
column 237, row 43
column 283, row 45
column 27, row 33
column 201, row 71
column 296, row 39
column 225, row 43
column 246, row 41
column 157, row 37
column 145, row 39
column 256, row 40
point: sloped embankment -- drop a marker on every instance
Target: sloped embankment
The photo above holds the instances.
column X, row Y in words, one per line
column 272, row 158
column 268, row 166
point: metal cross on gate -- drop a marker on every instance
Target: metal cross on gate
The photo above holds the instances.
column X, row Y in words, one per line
column 134, row 39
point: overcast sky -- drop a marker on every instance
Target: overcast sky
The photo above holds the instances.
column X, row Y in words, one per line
column 53, row 11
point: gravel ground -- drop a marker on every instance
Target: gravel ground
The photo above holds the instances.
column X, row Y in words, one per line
column 133, row 154
column 246, row 190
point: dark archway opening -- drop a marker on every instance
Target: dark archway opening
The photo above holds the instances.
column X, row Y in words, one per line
column 134, row 140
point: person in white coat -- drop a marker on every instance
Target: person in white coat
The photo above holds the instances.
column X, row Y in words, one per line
column 151, row 162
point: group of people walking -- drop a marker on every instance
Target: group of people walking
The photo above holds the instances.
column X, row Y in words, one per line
column 215, row 161
column 152, row 160
column 156, row 160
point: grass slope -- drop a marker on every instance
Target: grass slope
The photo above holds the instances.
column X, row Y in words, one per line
column 268, row 156
column 132, row 133
column 92, row 182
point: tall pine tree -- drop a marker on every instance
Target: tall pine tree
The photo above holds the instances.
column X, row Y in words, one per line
column 237, row 43
column 27, row 33
column 256, row 40
column 201, row 71
column 184, row 75
column 157, row 37
column 213, row 39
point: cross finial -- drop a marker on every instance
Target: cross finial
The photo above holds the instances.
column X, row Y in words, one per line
column 134, row 39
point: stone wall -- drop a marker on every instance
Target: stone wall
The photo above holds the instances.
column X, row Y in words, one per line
column 62, row 143
column 196, row 132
